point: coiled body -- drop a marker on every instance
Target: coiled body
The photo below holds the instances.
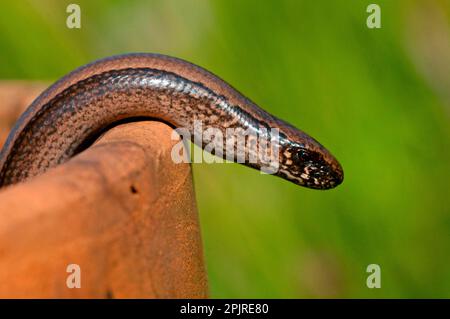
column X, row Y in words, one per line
column 81, row 105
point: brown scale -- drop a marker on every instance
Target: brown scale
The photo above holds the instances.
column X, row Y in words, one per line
column 74, row 111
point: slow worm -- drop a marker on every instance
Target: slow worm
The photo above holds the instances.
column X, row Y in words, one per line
column 80, row 106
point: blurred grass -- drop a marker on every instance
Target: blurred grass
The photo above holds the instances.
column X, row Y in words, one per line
column 367, row 95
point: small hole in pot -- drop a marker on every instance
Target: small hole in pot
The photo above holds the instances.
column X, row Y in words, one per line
column 133, row 189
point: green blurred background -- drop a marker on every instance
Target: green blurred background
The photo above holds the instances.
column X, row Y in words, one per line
column 379, row 99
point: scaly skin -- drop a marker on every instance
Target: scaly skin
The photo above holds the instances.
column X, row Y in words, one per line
column 77, row 108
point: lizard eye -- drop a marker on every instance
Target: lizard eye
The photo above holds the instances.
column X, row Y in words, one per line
column 300, row 156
